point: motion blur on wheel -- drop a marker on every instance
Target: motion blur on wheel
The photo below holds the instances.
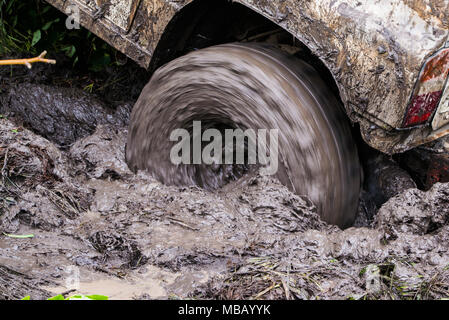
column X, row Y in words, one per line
column 238, row 86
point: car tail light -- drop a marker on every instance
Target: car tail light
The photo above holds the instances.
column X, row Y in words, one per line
column 429, row 89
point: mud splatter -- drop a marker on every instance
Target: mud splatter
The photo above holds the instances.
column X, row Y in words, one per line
column 133, row 237
column 62, row 115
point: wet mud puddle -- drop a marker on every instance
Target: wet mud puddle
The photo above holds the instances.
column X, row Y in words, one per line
column 151, row 282
column 101, row 229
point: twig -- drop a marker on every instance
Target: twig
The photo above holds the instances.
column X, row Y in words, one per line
column 260, row 294
column 65, row 293
column 29, row 61
column 5, row 162
column 182, row 224
column 286, row 289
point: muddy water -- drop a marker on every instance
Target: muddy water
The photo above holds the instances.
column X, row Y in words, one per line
column 101, row 229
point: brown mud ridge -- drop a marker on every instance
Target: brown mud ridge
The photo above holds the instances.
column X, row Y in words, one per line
column 129, row 236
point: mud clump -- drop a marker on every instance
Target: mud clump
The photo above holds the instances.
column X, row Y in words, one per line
column 35, row 187
column 253, row 238
column 387, row 178
column 15, row 285
column 62, row 115
column 101, row 155
column 415, row 212
column 111, row 245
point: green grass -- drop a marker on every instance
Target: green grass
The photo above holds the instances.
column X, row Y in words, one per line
column 74, row 297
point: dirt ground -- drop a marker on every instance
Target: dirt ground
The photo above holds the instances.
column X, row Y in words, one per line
column 100, row 229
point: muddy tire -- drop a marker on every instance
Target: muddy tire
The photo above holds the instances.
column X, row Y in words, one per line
column 259, row 87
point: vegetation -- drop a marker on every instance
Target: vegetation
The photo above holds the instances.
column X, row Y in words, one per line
column 74, row 297
column 84, row 61
column 28, row 27
column 27, row 62
column 269, row 278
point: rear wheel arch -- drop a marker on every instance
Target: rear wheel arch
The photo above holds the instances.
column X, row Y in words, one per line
column 205, row 23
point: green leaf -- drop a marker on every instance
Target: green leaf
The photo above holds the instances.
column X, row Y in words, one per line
column 16, row 236
column 26, row 298
column 69, row 51
column 89, row 87
column 36, row 37
column 78, row 297
column 46, row 8
column 99, row 61
column 9, row 6
column 58, row 297
column 90, row 297
column 48, row 24
column 97, row 297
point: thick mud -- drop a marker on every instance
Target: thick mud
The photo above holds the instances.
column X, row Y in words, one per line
column 99, row 228
column 62, row 115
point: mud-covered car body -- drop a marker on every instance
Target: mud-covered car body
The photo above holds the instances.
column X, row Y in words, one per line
column 389, row 59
